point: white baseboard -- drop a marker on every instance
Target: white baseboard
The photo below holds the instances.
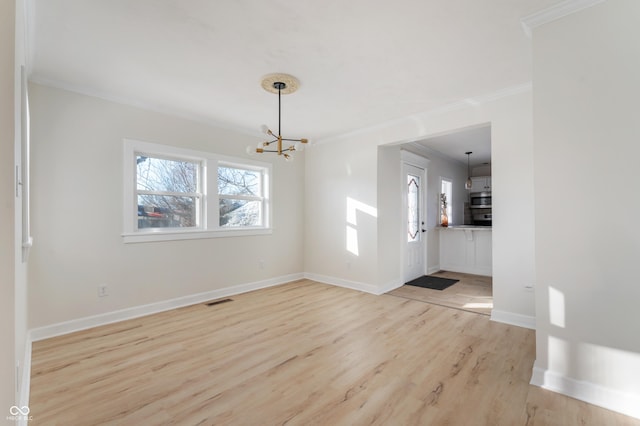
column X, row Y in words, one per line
column 433, row 270
column 611, row 399
column 353, row 285
column 138, row 311
column 473, row 270
column 391, row 285
column 513, row 319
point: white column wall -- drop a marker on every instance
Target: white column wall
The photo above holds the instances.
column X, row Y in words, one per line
column 587, row 86
column 390, row 217
column 23, row 345
column 7, row 195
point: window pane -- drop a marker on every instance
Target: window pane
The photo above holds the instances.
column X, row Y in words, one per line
column 413, row 208
column 232, row 181
column 157, row 174
column 447, row 189
column 166, row 211
column 240, row 213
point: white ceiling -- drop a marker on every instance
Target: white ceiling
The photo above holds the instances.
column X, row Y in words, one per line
column 360, row 62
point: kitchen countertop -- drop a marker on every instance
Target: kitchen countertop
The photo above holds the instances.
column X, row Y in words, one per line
column 466, row 227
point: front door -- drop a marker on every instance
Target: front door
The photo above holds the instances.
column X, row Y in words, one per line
column 414, row 217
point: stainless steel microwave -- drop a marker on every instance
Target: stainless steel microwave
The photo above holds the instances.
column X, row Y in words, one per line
column 480, row 200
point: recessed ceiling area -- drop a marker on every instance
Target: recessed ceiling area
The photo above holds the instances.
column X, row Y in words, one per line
column 360, row 63
column 453, row 145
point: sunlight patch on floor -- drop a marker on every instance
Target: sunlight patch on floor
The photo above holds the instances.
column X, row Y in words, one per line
column 478, row 305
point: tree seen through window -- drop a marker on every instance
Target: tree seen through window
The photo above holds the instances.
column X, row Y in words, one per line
column 167, row 191
column 240, row 193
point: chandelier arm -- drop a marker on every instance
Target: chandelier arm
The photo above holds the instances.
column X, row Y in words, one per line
column 292, row 140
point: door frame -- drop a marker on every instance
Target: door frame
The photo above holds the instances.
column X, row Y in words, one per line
column 415, row 160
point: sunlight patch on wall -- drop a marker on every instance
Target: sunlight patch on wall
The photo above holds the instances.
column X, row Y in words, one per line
column 559, row 355
column 556, row 307
column 353, row 206
column 352, row 240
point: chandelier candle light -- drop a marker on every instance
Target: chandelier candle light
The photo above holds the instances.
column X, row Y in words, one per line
column 282, row 84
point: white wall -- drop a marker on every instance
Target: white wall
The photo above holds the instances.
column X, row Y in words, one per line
column 7, row 231
column 513, row 212
column 77, row 213
column 390, row 217
column 341, row 185
column 586, row 69
column 348, row 165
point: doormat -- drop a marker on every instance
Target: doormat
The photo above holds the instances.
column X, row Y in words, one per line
column 434, row 283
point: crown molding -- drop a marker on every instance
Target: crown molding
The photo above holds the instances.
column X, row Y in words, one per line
column 554, row 12
column 452, row 106
column 147, row 106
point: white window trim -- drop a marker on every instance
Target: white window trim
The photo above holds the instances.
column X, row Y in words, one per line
column 209, row 222
column 449, row 200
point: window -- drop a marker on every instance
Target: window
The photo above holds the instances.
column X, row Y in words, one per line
column 168, row 192
column 413, row 208
column 240, row 196
column 166, row 198
column 446, row 189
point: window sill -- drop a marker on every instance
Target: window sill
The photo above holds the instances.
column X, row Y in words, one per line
column 154, row 236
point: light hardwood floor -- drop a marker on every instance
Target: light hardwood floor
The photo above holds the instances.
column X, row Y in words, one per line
column 471, row 293
column 302, row 353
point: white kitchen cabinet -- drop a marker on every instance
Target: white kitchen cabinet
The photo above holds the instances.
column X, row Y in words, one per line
column 480, row 184
column 466, row 249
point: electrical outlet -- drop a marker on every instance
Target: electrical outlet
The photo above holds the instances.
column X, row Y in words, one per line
column 261, row 264
column 103, row 290
column 348, row 265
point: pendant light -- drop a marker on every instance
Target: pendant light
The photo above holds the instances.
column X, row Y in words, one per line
column 468, row 183
column 282, row 84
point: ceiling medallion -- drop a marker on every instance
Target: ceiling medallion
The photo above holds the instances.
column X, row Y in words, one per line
column 291, row 83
